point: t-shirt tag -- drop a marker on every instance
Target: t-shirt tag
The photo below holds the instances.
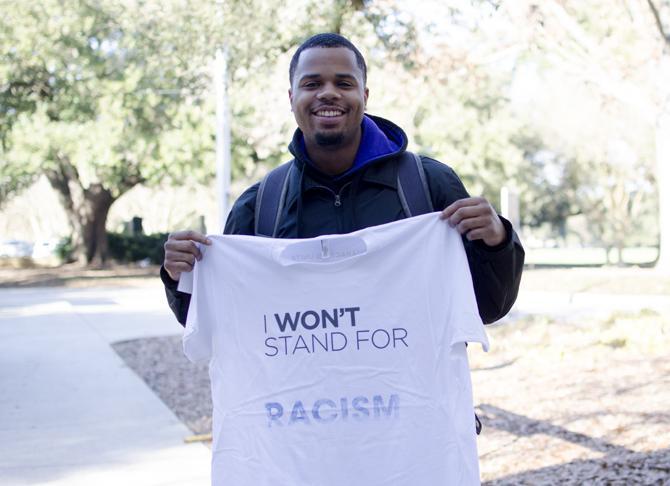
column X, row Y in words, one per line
column 325, row 249
column 321, row 250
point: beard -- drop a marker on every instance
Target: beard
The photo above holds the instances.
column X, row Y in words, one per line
column 329, row 139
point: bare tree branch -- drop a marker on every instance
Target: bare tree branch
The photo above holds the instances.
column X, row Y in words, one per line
column 659, row 24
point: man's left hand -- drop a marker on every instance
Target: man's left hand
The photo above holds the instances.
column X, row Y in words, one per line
column 476, row 219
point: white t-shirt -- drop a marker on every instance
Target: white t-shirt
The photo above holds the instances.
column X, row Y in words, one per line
column 339, row 360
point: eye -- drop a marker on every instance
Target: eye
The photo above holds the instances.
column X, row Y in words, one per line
column 345, row 84
column 310, row 84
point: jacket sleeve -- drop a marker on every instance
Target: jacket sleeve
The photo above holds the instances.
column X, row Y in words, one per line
column 496, row 271
column 240, row 222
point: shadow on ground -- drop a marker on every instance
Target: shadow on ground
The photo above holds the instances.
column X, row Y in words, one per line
column 618, row 465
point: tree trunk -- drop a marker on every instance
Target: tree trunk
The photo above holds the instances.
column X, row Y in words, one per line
column 86, row 209
column 94, row 249
column 663, row 185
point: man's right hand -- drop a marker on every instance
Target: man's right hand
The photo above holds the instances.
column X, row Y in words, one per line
column 181, row 252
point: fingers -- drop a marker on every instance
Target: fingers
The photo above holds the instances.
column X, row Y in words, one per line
column 471, row 224
column 468, row 202
column 190, row 235
column 182, row 251
column 475, row 218
column 470, row 207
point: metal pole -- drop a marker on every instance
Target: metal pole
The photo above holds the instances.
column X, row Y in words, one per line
column 223, row 145
column 509, row 207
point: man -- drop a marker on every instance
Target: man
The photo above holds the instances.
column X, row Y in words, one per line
column 346, row 163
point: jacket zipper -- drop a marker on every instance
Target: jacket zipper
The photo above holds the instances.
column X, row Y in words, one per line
column 338, row 198
column 337, row 203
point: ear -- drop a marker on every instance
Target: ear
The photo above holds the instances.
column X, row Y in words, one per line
column 290, row 97
column 366, row 93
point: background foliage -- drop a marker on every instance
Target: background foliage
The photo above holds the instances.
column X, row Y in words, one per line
column 562, row 101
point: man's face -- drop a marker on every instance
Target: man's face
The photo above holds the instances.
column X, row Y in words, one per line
column 328, row 96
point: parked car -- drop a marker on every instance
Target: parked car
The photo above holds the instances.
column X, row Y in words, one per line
column 16, row 249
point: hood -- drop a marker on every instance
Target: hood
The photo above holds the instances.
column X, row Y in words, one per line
column 380, row 139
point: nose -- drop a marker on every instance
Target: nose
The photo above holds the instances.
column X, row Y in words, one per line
column 328, row 92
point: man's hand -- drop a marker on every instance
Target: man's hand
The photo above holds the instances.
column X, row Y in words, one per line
column 476, row 219
column 181, row 252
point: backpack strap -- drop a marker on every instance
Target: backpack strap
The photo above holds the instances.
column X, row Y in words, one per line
column 413, row 192
column 413, row 188
column 270, row 200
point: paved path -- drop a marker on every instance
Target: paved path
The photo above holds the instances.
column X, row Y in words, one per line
column 71, row 412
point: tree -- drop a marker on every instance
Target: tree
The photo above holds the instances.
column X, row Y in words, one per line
column 103, row 96
column 89, row 96
column 658, row 12
column 614, row 48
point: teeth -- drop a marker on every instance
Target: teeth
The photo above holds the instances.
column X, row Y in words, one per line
column 328, row 113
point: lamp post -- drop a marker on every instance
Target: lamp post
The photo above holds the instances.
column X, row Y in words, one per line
column 223, row 144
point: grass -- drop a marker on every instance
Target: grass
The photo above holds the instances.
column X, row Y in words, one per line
column 599, row 280
column 588, row 256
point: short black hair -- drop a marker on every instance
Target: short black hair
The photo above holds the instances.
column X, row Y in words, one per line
column 328, row 39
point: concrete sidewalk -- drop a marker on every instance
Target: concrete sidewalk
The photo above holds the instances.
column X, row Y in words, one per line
column 71, row 412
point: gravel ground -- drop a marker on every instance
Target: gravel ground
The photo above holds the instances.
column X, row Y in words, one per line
column 183, row 386
column 561, row 402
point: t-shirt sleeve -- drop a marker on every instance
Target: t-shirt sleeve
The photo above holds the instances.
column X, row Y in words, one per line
column 466, row 324
column 197, row 338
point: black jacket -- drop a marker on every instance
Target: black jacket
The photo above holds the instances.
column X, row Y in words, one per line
column 317, row 204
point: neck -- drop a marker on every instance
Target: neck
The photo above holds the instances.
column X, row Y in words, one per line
column 336, row 159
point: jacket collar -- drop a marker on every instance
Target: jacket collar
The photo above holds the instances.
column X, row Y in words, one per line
column 379, row 139
column 373, row 169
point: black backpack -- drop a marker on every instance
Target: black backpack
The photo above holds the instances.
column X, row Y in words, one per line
column 412, row 190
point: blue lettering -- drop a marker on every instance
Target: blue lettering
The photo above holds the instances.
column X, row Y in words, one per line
column 383, row 342
column 298, row 414
column 391, row 410
column 275, row 411
column 315, row 318
column 332, row 341
column 359, row 337
column 285, row 339
column 317, row 414
column 352, row 312
column 268, row 345
column 323, row 345
column 398, row 337
column 361, row 411
column 326, row 410
column 291, row 322
column 298, row 345
column 344, row 407
column 327, row 317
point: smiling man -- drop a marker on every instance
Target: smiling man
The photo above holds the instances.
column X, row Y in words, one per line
column 344, row 177
column 328, row 98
